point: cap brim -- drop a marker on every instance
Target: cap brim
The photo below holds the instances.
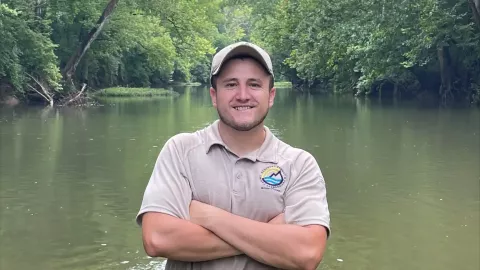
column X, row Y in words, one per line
column 242, row 50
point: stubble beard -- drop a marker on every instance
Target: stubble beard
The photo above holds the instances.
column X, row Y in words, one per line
column 241, row 127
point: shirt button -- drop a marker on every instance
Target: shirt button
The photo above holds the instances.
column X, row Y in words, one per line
column 239, row 175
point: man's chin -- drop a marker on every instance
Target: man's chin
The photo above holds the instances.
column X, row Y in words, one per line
column 245, row 127
column 242, row 126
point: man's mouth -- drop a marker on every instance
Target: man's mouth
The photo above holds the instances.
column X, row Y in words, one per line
column 242, row 108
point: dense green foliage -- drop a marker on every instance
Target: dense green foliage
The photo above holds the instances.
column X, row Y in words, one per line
column 144, row 43
column 26, row 49
column 418, row 48
column 413, row 47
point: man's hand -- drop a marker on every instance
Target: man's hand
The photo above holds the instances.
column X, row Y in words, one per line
column 300, row 247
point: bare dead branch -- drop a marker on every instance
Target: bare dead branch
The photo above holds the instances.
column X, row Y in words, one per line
column 46, row 95
column 78, row 95
column 44, row 89
column 475, row 7
column 72, row 64
column 35, row 89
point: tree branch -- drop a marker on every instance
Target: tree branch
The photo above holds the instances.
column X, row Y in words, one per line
column 44, row 89
column 35, row 89
column 178, row 31
column 72, row 64
column 78, row 95
column 475, row 6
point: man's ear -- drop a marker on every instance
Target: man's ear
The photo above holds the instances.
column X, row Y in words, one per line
column 271, row 96
column 213, row 96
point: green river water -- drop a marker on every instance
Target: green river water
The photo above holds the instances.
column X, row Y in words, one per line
column 403, row 181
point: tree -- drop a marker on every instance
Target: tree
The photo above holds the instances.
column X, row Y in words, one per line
column 72, row 64
column 136, row 43
column 475, row 6
column 27, row 59
column 376, row 46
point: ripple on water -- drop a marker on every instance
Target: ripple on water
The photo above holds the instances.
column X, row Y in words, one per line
column 151, row 265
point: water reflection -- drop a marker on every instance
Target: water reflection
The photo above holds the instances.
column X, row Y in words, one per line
column 403, row 180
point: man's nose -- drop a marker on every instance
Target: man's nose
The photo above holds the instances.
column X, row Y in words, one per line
column 242, row 93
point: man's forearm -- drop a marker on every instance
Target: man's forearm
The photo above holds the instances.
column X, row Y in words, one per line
column 284, row 246
column 183, row 240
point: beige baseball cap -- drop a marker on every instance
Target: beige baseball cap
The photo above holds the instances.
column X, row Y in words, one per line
column 240, row 48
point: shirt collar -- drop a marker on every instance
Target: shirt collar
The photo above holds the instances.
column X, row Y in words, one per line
column 266, row 153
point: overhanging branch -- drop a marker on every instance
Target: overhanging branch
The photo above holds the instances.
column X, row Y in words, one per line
column 72, row 64
column 177, row 29
column 475, row 7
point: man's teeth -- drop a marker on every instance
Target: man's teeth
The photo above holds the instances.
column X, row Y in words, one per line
column 242, row 108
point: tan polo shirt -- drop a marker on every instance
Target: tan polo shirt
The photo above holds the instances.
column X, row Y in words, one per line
column 198, row 165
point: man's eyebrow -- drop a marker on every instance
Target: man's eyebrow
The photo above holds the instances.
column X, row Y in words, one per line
column 228, row 80
column 255, row 80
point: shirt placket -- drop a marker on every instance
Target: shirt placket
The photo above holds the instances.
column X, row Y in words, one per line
column 238, row 178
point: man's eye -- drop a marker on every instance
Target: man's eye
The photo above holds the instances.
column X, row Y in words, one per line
column 256, row 85
column 230, row 85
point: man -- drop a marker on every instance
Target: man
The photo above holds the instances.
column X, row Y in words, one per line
column 232, row 195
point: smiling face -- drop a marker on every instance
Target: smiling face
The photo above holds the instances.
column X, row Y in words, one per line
column 242, row 96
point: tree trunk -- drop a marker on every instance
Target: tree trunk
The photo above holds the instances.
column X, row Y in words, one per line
column 72, row 64
column 475, row 6
column 39, row 10
column 445, row 61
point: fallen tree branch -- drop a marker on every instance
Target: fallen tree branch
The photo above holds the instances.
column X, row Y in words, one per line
column 46, row 95
column 50, row 97
column 78, row 95
column 35, row 89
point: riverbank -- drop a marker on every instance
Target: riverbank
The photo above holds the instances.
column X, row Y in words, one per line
column 186, row 84
column 283, row 84
column 133, row 92
column 279, row 84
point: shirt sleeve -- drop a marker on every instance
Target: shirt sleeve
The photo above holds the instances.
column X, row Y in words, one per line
column 168, row 190
column 306, row 197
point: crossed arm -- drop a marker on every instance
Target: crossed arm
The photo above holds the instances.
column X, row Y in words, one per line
column 213, row 233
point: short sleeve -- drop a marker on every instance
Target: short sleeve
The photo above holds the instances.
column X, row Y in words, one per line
column 306, row 197
column 168, row 190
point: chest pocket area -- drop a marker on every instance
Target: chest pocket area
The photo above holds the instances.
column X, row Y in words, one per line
column 210, row 183
column 263, row 196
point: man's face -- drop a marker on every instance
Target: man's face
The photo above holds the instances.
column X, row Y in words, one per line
column 243, row 97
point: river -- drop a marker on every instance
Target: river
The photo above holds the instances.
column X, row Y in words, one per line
column 403, row 180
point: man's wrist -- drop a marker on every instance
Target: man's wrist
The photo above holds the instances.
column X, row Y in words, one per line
column 213, row 219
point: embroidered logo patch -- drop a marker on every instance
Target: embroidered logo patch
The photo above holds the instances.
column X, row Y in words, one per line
column 273, row 177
